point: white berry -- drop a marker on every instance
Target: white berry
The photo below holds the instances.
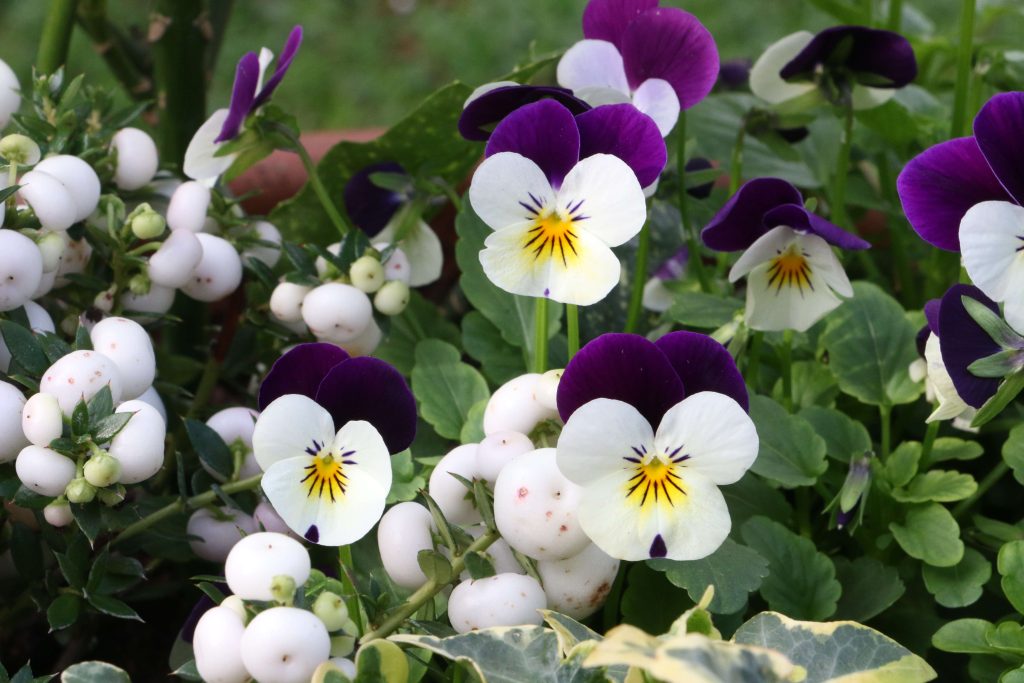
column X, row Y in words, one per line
column 217, row 644
column 139, row 446
column 255, row 560
column 267, row 519
column 10, row 93
column 21, row 269
column 78, row 178
column 137, row 158
column 578, row 585
column 187, row 209
column 50, row 201
column 336, row 312
column 284, row 645
column 219, row 271
column 286, row 301
column 215, row 536
column 79, row 376
column 173, row 264
column 128, row 345
column 499, row 600
column 266, row 232
column 58, row 514
column 496, row 450
column 51, row 247
column 547, row 389
column 403, row 532
column 158, row 300
column 366, row 343
column 367, row 274
column 514, row 406
column 43, row 470
column 392, row 298
column 12, row 439
column 450, row 494
column 151, row 397
column 41, row 419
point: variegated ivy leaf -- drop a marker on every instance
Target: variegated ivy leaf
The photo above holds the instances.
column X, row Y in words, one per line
column 835, row 651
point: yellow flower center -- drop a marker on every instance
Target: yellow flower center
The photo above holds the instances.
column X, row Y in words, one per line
column 655, row 482
column 790, row 269
column 325, row 478
column 552, row 236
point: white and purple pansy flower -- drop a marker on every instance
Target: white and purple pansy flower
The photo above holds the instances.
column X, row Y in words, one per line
column 327, row 427
column 652, row 429
column 793, row 276
column 661, row 59
column 490, row 103
column 855, row 64
column 377, row 211
column 657, row 297
column 249, row 93
column 965, row 195
column 559, row 191
column 939, row 387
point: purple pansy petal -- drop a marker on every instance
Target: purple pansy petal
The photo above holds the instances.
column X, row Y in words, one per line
column 673, row 45
column 544, row 132
column 872, row 51
column 921, row 340
column 625, row 367
column 704, row 365
column 962, row 341
column 482, row 114
column 940, row 184
column 675, row 266
column 699, row 164
column 623, row 131
column 740, row 222
column 734, row 74
column 369, row 389
column 247, row 74
column 300, row 371
column 370, row 206
column 608, row 19
column 931, row 314
column 284, row 60
column 799, row 218
column 999, row 132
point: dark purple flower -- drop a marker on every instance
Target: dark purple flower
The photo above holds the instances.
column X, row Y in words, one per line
column 548, row 134
column 674, row 266
column 371, row 206
column 931, row 315
column 699, row 164
column 734, row 74
column 486, row 110
column 939, row 185
column 348, row 388
column 650, row 376
column 765, row 203
column 963, row 341
column 865, row 56
column 244, row 98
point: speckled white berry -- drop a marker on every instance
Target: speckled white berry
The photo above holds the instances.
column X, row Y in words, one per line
column 450, row 494
column 403, row 532
column 499, row 600
column 219, row 271
column 255, row 560
column 284, row 645
column 80, row 375
column 496, row 450
column 137, row 158
column 129, row 346
column 21, row 269
column 578, row 585
column 44, row 471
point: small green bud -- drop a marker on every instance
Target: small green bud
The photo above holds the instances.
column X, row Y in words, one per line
column 146, row 223
column 102, row 470
column 80, row 491
column 392, row 298
column 331, row 609
column 20, row 149
column 367, row 274
column 342, row 646
column 51, row 247
column 139, row 284
column 112, row 495
column 282, row 587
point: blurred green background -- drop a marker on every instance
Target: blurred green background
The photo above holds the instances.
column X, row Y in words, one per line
column 366, row 62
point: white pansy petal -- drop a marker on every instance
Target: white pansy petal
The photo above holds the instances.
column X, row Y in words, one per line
column 361, row 447
column 698, row 526
column 765, row 81
column 501, row 186
column 200, row 162
column 822, row 260
column 771, row 307
column 950, row 403
column 869, row 98
column 313, row 513
column 598, row 438
column 657, row 98
column 766, row 247
column 1013, row 310
column 423, row 248
column 574, row 269
column 990, row 241
column 592, row 63
column 604, row 192
column 288, row 427
column 486, row 88
column 597, row 95
column 613, row 522
column 266, row 57
column 711, row 434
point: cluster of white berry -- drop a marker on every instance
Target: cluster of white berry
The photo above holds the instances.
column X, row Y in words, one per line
column 260, row 631
column 122, row 361
column 535, row 510
column 339, row 310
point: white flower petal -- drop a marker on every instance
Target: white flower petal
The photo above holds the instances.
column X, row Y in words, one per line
column 370, row 455
column 597, row 438
column 592, row 63
column 577, row 269
column 423, row 249
column 765, row 81
column 290, row 425
column 657, row 297
column 991, row 241
column 200, row 162
column 764, row 248
column 869, row 98
column 501, row 186
column 265, row 58
column 789, row 307
column 656, row 98
column 605, row 190
column 486, row 88
column 715, row 433
column 822, row 260
column 596, row 95
column 950, row 403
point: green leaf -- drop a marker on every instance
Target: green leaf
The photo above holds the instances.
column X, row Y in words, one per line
column 63, row 611
column 1013, row 452
column 703, row 311
column 53, row 346
column 26, row 550
column 499, row 360
column 901, row 466
column 813, row 385
column 101, row 405
column 24, row 348
column 941, row 486
column 445, row 387
column 871, row 345
column 966, row 636
column 838, row 650
column 94, row 672
column 734, row 570
column 405, row 483
column 473, row 430
column 88, row 518
column 1007, row 391
column 80, row 419
column 1007, row 637
column 420, row 320
column 961, row 584
column 1010, row 564
column 113, row 607
column 790, row 452
column 210, row 447
column 930, row 534
column 435, row 565
column 845, row 438
column 951, row 448
column 478, row 566
column 869, row 588
column 752, row 496
column 802, row 581
column 106, row 428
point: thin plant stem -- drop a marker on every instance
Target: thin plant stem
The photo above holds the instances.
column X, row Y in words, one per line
column 754, row 357
column 318, row 188
column 885, row 415
column 895, row 18
column 56, row 36
column 207, row 383
column 540, row 338
column 786, row 360
column 178, row 47
column 572, row 326
column 929, row 441
column 354, row 603
column 12, row 180
column 696, row 263
column 964, row 56
column 736, row 160
column 639, row 279
column 803, row 510
column 839, row 214
column 994, row 475
column 427, row 591
column 183, row 504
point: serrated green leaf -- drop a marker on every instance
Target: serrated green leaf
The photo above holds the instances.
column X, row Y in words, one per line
column 951, row 448
column 813, row 385
column 106, row 428
column 88, row 518
column 734, row 570
column 845, row 438
column 1010, row 564
column 790, row 452
column 965, row 636
column 499, row 360
column 420, row 320
column 1013, row 452
column 961, row 584
column 473, row 429
column 869, row 587
column 902, row 463
column 941, row 486
column 445, row 387
column 930, row 534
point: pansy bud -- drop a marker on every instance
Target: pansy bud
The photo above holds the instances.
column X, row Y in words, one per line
column 330, row 609
column 19, row 149
column 80, row 491
column 855, row 488
column 367, row 273
column 392, row 298
column 282, row 589
column 102, row 470
column 147, row 224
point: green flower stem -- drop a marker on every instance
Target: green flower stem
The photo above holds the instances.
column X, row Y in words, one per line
column 885, row 414
column 56, row 36
column 114, row 48
column 178, row 55
column 736, row 161
column 803, row 510
column 427, row 591
column 639, row 279
column 572, row 325
column 353, row 603
column 12, row 179
column 754, row 357
column 540, row 338
column 207, row 383
column 994, row 475
column 839, row 215
column 183, row 504
column 786, row 360
column 318, row 188
column 929, row 441
column 696, row 263
column 895, row 18
column 964, row 55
